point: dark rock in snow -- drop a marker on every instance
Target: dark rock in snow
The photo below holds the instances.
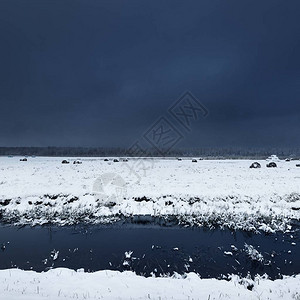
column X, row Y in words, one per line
column 116, row 160
column 271, row 165
column 5, row 202
column 72, row 200
column 23, row 159
column 255, row 165
column 298, row 165
column 105, row 159
column 65, row 162
column 110, row 204
column 77, row 162
column 140, row 199
column 194, row 160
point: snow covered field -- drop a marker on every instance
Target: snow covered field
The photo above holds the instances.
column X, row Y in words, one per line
column 67, row 284
column 212, row 192
column 209, row 192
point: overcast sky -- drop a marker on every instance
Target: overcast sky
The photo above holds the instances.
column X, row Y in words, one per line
column 100, row 73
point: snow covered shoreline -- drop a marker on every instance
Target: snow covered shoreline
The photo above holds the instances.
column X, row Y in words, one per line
column 213, row 193
column 210, row 192
column 63, row 283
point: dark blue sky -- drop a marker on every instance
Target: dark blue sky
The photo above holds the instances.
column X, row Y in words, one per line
column 99, row 73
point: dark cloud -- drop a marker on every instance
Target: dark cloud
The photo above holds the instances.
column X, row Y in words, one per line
column 99, row 73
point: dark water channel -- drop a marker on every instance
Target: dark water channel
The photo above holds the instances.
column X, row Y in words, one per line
column 155, row 249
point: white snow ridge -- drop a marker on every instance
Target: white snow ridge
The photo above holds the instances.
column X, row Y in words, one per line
column 67, row 284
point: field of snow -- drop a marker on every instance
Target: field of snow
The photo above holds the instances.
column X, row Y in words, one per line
column 67, row 284
column 211, row 192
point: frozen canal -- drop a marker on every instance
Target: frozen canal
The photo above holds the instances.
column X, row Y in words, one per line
column 148, row 248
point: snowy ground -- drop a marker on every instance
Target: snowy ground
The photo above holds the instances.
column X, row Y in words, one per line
column 67, row 284
column 212, row 192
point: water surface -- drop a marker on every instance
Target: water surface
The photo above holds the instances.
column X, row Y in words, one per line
column 155, row 249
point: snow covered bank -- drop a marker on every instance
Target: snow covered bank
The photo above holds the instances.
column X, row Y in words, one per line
column 216, row 192
column 67, row 284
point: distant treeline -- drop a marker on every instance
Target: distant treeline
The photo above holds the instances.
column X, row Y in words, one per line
column 122, row 152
